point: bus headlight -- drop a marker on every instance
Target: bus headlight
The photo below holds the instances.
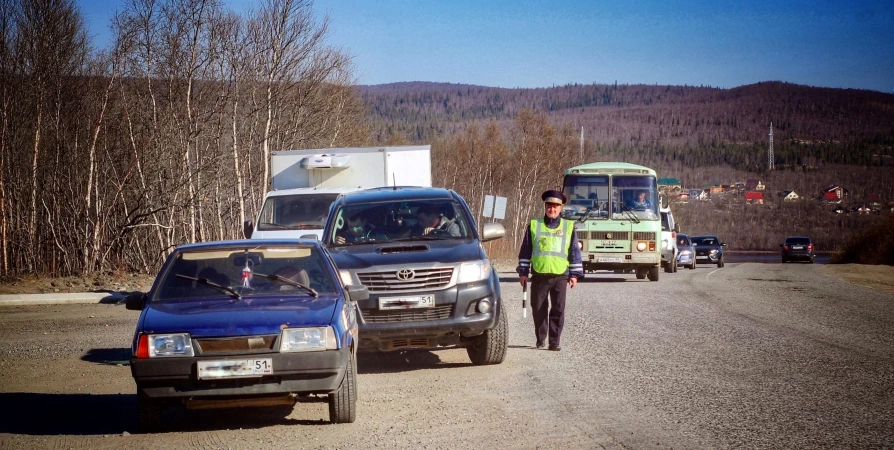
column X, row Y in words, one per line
column 641, row 246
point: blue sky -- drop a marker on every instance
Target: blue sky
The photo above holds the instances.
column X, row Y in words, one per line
column 522, row 43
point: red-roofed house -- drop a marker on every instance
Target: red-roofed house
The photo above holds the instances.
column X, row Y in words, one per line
column 756, row 198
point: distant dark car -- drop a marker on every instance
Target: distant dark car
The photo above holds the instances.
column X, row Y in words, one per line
column 246, row 323
column 708, row 249
column 686, row 256
column 797, row 248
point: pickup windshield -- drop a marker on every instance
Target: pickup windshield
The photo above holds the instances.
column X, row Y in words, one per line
column 295, row 212
column 399, row 221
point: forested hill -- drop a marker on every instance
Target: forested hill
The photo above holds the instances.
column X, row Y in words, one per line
column 810, row 124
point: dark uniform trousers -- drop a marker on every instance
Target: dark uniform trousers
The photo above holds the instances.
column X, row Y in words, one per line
column 549, row 316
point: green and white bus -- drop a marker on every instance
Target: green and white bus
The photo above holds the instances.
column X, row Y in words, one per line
column 616, row 207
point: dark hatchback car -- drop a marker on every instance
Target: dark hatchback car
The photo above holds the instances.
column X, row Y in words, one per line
column 246, row 323
column 419, row 253
column 708, row 249
column 797, row 248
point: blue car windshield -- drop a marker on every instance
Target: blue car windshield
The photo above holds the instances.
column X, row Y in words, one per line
column 246, row 272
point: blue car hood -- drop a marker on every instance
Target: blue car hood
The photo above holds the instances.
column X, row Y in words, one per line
column 230, row 317
column 367, row 255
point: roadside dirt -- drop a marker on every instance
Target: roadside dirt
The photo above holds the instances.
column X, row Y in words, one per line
column 876, row 277
column 98, row 282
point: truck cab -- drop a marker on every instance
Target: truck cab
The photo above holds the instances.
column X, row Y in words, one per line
column 306, row 182
column 419, row 253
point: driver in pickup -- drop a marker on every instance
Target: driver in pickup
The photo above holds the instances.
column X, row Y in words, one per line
column 432, row 222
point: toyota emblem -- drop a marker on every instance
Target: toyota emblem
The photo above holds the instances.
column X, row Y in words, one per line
column 406, row 274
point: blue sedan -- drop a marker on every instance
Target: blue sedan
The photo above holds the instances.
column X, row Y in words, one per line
column 246, row 323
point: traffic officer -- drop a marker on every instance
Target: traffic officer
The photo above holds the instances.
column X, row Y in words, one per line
column 551, row 254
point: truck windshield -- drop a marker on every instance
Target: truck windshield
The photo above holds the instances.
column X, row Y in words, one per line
column 634, row 194
column 399, row 221
column 295, row 212
column 586, row 195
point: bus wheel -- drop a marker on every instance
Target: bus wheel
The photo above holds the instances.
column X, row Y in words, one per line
column 641, row 274
column 653, row 273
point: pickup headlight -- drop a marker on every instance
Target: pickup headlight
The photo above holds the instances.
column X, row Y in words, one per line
column 470, row 272
column 345, row 277
column 307, row 339
column 164, row 345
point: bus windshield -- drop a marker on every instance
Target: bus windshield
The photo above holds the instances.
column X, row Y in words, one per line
column 586, row 195
column 617, row 197
column 634, row 194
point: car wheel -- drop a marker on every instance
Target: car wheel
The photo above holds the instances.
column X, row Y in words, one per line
column 490, row 347
column 653, row 273
column 343, row 402
column 720, row 262
column 149, row 413
column 692, row 265
column 784, row 260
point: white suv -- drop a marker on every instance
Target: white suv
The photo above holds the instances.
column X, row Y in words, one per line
column 669, row 250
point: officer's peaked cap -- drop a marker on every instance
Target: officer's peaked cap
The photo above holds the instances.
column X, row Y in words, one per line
column 554, row 196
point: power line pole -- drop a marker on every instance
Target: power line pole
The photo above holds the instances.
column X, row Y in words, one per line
column 770, row 150
column 582, row 143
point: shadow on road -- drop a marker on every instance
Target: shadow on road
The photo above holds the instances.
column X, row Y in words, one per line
column 77, row 414
column 89, row 414
column 401, row 361
column 108, row 356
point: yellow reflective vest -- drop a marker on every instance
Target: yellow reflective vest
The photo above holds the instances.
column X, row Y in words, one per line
column 549, row 247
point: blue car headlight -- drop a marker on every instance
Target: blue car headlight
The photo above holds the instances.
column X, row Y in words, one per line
column 307, row 339
column 169, row 345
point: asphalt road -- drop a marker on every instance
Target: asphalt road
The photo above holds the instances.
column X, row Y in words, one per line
column 748, row 356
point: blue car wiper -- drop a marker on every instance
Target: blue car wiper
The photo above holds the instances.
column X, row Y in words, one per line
column 285, row 280
column 206, row 282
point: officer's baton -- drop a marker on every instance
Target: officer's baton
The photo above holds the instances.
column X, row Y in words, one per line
column 525, row 300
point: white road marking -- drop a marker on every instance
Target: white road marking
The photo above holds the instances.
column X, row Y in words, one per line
column 712, row 273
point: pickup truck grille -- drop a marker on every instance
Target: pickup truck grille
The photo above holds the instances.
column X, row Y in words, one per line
column 407, row 315
column 406, row 280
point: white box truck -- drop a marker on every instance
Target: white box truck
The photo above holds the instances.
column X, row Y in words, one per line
column 306, row 182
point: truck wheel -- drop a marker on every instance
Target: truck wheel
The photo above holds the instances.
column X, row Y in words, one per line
column 149, row 413
column 653, row 273
column 641, row 274
column 343, row 402
column 490, row 347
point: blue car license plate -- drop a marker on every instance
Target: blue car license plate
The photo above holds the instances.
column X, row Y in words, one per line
column 235, row 368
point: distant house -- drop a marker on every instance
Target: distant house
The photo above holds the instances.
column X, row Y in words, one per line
column 669, row 184
column 700, row 194
column 873, row 201
column 789, row 196
column 834, row 193
column 755, row 198
column 753, row 184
